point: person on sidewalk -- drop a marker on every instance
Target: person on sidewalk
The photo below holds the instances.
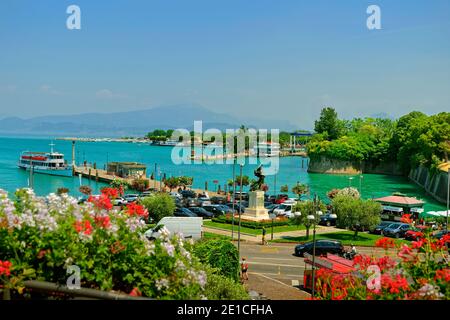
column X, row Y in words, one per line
column 264, row 242
column 244, row 269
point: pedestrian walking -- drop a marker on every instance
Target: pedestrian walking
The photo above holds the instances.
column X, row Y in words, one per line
column 244, row 269
column 264, row 236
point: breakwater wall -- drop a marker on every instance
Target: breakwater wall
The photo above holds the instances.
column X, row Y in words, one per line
column 337, row 166
column 434, row 183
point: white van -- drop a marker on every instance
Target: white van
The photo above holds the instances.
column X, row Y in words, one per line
column 190, row 227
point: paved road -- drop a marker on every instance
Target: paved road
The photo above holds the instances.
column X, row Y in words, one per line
column 276, row 264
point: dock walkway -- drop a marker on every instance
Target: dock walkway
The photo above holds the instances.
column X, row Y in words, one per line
column 103, row 176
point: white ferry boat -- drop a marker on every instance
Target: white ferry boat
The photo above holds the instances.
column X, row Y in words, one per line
column 267, row 149
column 52, row 163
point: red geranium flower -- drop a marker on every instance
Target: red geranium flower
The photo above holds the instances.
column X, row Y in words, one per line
column 136, row 209
column 394, row 284
column 5, row 268
column 101, row 202
column 443, row 275
column 103, row 222
column 83, row 226
column 406, row 218
column 111, row 193
column 385, row 243
column 135, row 292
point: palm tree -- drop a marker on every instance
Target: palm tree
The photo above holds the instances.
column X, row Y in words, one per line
column 300, row 189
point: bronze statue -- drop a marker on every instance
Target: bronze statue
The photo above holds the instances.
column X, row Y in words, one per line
column 257, row 184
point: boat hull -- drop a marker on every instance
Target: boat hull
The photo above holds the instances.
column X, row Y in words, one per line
column 61, row 172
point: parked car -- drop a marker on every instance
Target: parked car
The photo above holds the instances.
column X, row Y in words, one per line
column 396, row 230
column 236, row 207
column 379, row 228
column 201, row 212
column 119, row 201
column 190, row 202
column 188, row 227
column 184, row 212
column 440, row 234
column 218, row 200
column 284, row 210
column 203, row 202
column 188, row 194
column 216, row 209
column 176, row 195
column 328, row 219
column 131, row 197
column 272, row 208
column 415, row 233
column 146, row 194
column 322, row 247
column 281, row 198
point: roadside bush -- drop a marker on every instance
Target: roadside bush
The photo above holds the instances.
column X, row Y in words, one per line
column 159, row 206
column 219, row 254
column 220, row 287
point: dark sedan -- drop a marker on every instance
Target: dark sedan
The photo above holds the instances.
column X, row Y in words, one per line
column 379, row 228
column 201, row 212
column 322, row 247
column 216, row 209
column 184, row 212
column 328, row 219
column 188, row 194
column 396, row 230
column 236, row 207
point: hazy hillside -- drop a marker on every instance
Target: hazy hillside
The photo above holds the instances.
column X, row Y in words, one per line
column 132, row 123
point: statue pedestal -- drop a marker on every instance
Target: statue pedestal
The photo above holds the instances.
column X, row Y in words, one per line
column 256, row 210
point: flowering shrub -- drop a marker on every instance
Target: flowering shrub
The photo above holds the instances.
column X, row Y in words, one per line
column 41, row 237
column 418, row 271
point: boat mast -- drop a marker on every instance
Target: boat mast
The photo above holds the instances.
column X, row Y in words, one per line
column 51, row 147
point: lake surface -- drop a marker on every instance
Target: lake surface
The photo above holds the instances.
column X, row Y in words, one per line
column 290, row 171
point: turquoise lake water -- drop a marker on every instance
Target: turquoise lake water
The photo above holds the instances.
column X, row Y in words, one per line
column 289, row 173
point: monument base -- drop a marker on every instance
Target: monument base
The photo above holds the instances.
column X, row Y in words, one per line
column 256, row 210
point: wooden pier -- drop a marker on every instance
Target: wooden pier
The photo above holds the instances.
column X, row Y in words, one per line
column 100, row 175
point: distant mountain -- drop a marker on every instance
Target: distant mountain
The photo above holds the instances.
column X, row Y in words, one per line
column 132, row 122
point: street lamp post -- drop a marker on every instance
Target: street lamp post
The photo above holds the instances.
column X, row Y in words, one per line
column 350, row 181
column 448, row 195
column 240, row 209
column 360, row 185
column 234, row 198
column 312, row 218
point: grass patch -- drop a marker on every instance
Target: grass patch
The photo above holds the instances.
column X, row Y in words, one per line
column 346, row 237
column 214, row 236
column 226, row 226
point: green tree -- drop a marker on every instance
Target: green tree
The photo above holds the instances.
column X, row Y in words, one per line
column 245, row 181
column 300, row 189
column 185, row 181
column 328, row 123
column 284, row 188
column 172, row 183
column 159, row 205
column 140, row 184
column 86, row 190
column 308, row 208
column 356, row 214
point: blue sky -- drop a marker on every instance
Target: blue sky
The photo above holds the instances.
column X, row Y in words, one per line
column 284, row 59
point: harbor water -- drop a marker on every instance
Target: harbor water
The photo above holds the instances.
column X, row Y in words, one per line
column 291, row 170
